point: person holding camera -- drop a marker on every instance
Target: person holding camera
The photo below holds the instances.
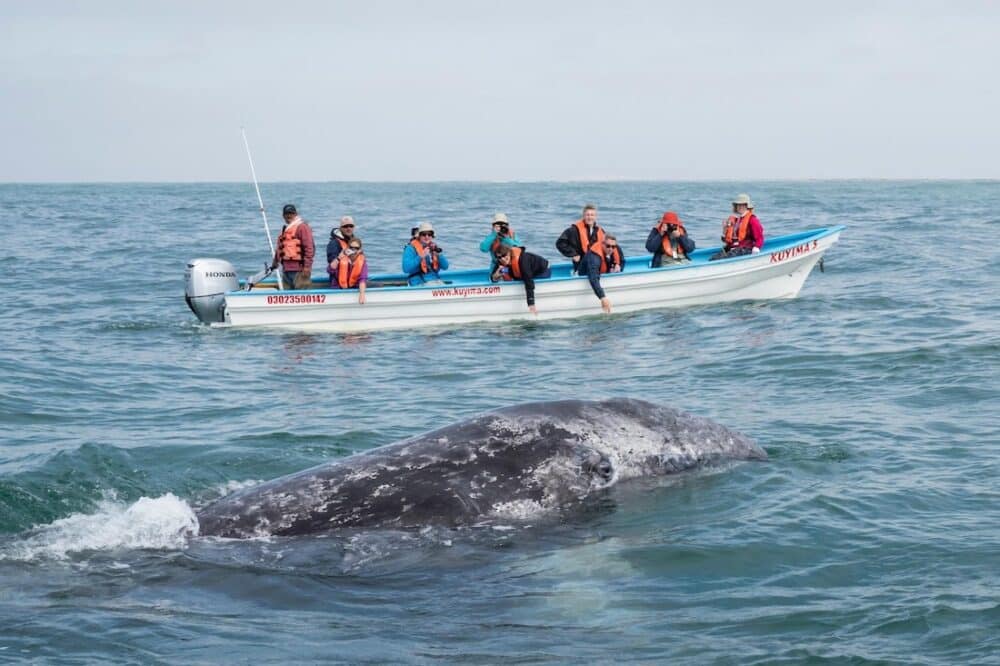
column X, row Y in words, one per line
column 514, row 263
column 501, row 234
column 668, row 241
column 423, row 258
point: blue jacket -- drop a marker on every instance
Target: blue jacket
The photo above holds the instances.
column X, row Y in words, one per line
column 590, row 266
column 487, row 246
column 654, row 244
column 411, row 266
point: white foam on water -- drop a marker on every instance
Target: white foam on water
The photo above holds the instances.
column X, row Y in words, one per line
column 161, row 523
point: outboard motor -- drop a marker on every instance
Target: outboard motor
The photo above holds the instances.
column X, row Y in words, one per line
column 206, row 284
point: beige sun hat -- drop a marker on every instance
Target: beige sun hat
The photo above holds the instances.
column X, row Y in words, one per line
column 500, row 217
column 743, row 199
column 425, row 226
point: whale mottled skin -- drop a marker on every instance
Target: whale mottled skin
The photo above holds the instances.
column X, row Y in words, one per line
column 534, row 457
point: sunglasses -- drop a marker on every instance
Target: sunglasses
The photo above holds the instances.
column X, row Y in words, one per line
column 427, row 233
column 344, row 226
column 610, row 246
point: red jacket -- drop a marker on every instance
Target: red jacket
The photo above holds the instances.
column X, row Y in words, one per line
column 305, row 236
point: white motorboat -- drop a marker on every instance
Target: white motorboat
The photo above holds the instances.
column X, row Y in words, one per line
column 220, row 299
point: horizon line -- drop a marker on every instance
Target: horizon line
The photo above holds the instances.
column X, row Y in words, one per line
column 986, row 179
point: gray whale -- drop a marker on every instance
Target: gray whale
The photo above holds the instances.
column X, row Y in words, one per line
column 512, row 462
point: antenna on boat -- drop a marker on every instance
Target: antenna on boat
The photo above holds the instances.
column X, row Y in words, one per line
column 260, row 200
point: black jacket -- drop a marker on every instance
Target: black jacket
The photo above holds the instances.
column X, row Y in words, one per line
column 533, row 267
column 569, row 242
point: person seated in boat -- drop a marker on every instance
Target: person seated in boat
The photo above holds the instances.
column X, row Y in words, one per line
column 668, row 241
column 514, row 263
column 352, row 269
column 502, row 234
column 295, row 250
column 578, row 237
column 603, row 257
column 742, row 232
column 423, row 258
column 339, row 239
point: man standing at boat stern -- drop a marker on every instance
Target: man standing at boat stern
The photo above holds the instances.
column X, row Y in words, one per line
column 579, row 236
column 295, row 250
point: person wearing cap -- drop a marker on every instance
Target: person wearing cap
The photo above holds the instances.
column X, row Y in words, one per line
column 295, row 250
column 605, row 256
column 668, row 241
column 423, row 258
column 501, row 234
column 742, row 232
column 340, row 238
column 515, row 263
column 578, row 237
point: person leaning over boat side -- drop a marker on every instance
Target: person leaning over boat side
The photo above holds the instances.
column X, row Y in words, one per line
column 668, row 241
column 295, row 250
column 603, row 257
column 742, row 232
column 576, row 240
column 423, row 258
column 339, row 239
column 515, row 263
column 501, row 234
column 352, row 269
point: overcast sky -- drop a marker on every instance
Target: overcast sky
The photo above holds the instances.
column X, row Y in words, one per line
column 158, row 91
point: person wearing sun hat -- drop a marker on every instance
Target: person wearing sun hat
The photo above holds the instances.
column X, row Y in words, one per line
column 668, row 241
column 742, row 232
column 501, row 234
column 423, row 258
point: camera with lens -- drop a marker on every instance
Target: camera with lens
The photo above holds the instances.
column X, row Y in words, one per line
column 437, row 248
column 503, row 228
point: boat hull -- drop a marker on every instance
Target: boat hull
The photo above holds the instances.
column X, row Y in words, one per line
column 777, row 272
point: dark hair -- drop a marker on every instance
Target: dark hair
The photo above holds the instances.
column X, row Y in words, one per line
column 289, row 209
column 589, row 207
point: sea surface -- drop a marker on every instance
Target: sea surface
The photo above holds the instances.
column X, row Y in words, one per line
column 872, row 534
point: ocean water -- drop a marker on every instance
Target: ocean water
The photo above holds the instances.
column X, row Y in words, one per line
column 872, row 535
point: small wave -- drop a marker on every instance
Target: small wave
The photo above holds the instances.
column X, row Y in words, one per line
column 161, row 523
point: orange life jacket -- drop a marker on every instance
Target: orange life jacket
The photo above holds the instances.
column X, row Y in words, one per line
column 289, row 245
column 734, row 229
column 581, row 228
column 348, row 272
column 343, row 243
column 669, row 249
column 514, row 268
column 604, row 262
column 499, row 239
column 423, row 260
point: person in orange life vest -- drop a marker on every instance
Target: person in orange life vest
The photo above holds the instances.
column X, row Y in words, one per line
column 339, row 238
column 603, row 257
column 514, row 263
column 577, row 238
column 423, row 258
column 742, row 232
column 501, row 234
column 668, row 241
column 352, row 269
column 295, row 250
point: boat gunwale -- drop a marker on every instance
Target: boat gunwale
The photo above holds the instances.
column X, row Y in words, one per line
column 638, row 264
